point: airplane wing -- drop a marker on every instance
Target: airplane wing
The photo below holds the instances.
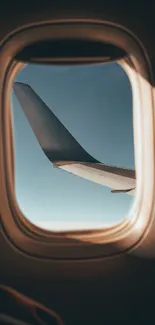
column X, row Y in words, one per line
column 63, row 150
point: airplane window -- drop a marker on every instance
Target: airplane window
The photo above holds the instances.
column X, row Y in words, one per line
column 73, row 145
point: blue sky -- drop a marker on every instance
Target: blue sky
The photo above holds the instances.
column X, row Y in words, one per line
column 94, row 103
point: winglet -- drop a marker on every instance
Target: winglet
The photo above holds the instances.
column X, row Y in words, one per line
column 55, row 140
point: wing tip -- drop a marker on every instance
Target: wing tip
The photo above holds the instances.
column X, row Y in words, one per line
column 20, row 85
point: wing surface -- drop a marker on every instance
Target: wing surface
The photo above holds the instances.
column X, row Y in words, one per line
column 63, row 150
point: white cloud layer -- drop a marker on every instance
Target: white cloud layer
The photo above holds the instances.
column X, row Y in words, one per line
column 61, row 226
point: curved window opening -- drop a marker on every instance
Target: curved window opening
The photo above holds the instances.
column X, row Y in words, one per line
column 73, row 145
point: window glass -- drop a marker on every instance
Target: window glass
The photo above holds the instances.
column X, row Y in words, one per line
column 73, row 145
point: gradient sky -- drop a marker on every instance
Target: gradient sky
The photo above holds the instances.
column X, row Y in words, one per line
column 94, row 103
